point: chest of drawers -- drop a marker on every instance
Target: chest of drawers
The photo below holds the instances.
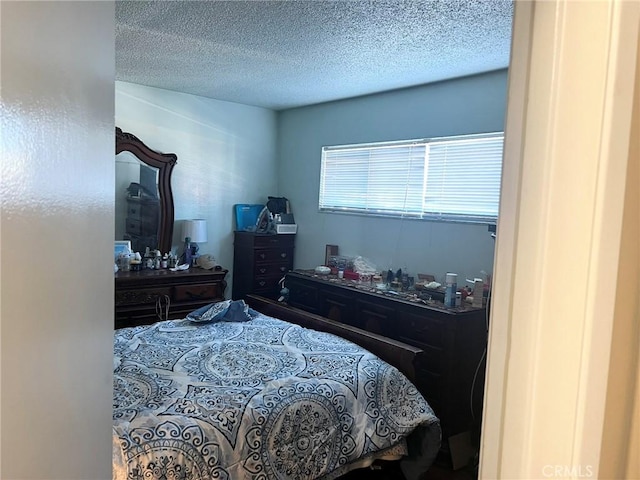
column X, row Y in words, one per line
column 146, row 296
column 141, row 227
column 259, row 262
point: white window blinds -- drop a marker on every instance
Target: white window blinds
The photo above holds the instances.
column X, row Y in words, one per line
column 454, row 178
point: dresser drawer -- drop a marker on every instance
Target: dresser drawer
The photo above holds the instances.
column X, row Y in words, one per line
column 138, row 227
column 271, row 241
column 425, row 331
column 376, row 318
column 279, row 255
column 303, row 296
column 134, row 226
column 267, row 269
column 204, row 291
column 339, row 307
column 140, row 296
column 149, row 213
column 263, row 284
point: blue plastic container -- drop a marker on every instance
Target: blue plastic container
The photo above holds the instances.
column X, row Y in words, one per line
column 247, row 215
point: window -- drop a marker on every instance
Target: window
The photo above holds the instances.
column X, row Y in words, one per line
column 453, row 178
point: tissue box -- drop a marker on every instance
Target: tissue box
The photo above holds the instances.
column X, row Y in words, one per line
column 286, row 228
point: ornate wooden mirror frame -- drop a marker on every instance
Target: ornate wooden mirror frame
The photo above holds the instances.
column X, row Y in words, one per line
column 164, row 162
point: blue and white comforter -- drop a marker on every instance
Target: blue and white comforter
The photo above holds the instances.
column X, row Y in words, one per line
column 262, row 399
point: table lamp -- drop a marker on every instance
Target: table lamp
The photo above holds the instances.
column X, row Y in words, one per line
column 193, row 232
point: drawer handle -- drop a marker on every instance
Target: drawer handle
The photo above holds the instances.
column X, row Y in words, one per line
column 283, row 269
column 262, row 283
column 263, row 270
column 263, row 256
column 134, row 211
column 162, row 307
column 283, row 254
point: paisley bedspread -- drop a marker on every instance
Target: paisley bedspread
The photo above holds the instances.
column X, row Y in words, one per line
column 262, row 399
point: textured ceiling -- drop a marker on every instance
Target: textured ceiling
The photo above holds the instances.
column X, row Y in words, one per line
column 284, row 54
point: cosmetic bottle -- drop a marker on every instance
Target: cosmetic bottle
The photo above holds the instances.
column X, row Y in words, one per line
column 451, row 287
column 478, row 292
column 187, row 251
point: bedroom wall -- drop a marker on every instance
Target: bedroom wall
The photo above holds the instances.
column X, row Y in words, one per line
column 226, row 155
column 56, row 301
column 468, row 105
column 54, row 62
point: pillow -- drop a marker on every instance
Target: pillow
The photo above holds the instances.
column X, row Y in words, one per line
column 238, row 311
column 210, row 313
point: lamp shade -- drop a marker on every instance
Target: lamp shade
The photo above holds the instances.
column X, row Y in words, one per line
column 196, row 230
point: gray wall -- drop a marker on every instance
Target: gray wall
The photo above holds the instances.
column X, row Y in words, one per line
column 56, row 314
column 464, row 106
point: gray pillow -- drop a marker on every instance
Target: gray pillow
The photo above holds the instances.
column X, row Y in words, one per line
column 238, row 311
column 214, row 312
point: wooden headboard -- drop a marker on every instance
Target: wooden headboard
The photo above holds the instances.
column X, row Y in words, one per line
column 402, row 356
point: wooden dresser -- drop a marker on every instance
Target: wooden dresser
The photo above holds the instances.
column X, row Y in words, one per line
column 453, row 340
column 259, row 262
column 145, row 296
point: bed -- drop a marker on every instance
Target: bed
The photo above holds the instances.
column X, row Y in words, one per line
column 252, row 396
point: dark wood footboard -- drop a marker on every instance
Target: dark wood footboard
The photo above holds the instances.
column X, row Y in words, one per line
column 401, row 355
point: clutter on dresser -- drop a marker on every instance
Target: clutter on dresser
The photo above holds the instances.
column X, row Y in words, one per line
column 126, row 260
column 362, row 273
column 274, row 217
column 322, row 270
column 206, row 261
column 280, row 209
column 329, row 251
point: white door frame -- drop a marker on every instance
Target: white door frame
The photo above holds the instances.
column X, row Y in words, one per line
column 562, row 361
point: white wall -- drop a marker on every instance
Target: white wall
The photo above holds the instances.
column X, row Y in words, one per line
column 467, row 105
column 226, row 155
column 56, row 298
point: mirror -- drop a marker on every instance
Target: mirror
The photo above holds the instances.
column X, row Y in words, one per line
column 144, row 201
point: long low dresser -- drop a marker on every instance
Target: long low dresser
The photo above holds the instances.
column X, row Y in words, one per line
column 451, row 373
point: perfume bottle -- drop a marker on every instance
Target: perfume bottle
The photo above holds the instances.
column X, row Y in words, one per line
column 451, row 289
column 187, row 251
